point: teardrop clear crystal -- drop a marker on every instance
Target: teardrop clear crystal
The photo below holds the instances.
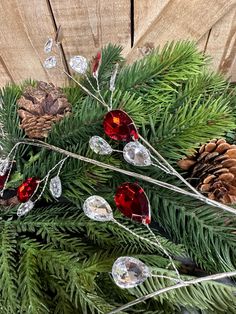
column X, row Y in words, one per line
column 24, row 208
column 97, row 208
column 100, row 146
column 4, row 165
column 136, row 154
column 50, row 62
column 79, row 64
column 48, row 45
column 129, row 272
column 55, row 187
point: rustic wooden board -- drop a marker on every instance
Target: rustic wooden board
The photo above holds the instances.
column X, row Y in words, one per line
column 233, row 72
column 88, row 25
column 145, row 13
column 181, row 19
column 5, row 76
column 221, row 44
column 202, row 43
column 25, row 25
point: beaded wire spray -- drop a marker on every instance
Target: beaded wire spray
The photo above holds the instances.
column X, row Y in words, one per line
column 136, row 153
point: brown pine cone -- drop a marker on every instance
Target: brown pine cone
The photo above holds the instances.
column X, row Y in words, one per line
column 212, row 170
column 40, row 107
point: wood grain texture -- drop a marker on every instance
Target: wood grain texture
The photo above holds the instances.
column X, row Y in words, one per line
column 88, row 25
column 145, row 13
column 181, row 19
column 25, row 26
column 202, row 43
column 5, row 76
column 221, row 45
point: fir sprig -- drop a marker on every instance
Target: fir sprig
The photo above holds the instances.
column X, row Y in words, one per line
column 56, row 260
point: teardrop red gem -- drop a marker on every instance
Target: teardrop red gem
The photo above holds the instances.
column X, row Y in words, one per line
column 26, row 189
column 119, row 126
column 132, row 201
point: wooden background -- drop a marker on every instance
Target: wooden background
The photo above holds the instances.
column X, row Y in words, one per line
column 89, row 24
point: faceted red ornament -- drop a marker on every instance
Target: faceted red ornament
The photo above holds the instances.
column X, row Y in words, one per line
column 26, row 189
column 119, row 126
column 96, row 63
column 2, row 181
column 132, row 201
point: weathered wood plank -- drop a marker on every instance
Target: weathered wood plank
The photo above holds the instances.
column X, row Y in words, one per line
column 202, row 43
column 5, row 76
column 181, row 19
column 25, row 25
column 144, row 14
column 222, row 44
column 88, row 25
column 233, row 72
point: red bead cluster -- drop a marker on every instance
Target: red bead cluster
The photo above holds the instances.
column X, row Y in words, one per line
column 26, row 189
column 119, row 126
column 133, row 203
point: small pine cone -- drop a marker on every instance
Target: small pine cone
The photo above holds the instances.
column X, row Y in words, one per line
column 212, row 170
column 40, row 107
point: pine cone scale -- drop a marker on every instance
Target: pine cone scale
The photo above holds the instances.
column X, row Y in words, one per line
column 40, row 107
column 212, row 170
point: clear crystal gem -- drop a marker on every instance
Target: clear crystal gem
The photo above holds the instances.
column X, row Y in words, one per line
column 97, row 208
column 55, row 187
column 4, row 165
column 24, row 208
column 79, row 64
column 113, row 78
column 129, row 272
column 48, row 45
column 136, row 154
column 100, row 146
column 50, row 62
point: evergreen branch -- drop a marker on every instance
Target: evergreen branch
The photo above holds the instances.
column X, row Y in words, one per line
column 177, row 286
column 197, row 196
column 174, row 64
column 8, row 276
column 30, row 289
column 59, row 220
column 202, row 231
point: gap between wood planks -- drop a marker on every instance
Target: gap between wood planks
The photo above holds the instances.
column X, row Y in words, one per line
column 56, row 28
column 132, row 28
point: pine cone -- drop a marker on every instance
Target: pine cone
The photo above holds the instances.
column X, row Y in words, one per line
column 40, row 107
column 212, row 170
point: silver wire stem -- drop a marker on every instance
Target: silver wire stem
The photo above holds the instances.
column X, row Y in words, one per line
column 131, row 174
column 164, row 251
column 173, row 287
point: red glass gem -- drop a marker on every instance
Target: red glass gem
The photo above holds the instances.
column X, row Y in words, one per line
column 132, row 201
column 2, row 181
column 26, row 189
column 119, row 126
column 96, row 63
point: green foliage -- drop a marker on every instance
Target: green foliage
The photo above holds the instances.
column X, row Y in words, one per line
column 56, row 260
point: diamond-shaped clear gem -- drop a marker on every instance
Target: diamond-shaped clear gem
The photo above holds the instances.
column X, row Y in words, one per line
column 50, row 62
column 55, row 187
column 24, row 208
column 136, row 154
column 129, row 272
column 4, row 165
column 97, row 208
column 48, row 45
column 100, row 146
column 79, row 64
